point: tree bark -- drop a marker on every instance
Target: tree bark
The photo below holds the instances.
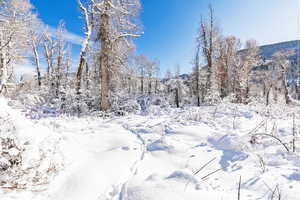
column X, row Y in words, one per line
column 177, row 97
column 286, row 91
column 3, row 69
column 104, row 57
column 37, row 63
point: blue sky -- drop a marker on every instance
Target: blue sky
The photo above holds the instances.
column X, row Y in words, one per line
column 170, row 25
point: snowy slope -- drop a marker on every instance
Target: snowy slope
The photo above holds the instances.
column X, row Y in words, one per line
column 171, row 154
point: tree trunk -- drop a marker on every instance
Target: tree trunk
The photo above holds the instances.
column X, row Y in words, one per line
column 286, row 91
column 198, row 88
column 87, row 72
column 79, row 73
column 268, row 96
column 104, row 57
column 3, row 69
column 150, row 87
column 177, row 97
column 156, row 86
column 48, row 55
column 37, row 63
column 58, row 72
column 129, row 85
column 142, row 85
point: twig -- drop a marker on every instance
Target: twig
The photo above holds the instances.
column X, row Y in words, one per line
column 239, row 191
column 204, row 177
column 273, row 193
column 205, row 165
column 274, row 129
column 276, row 138
column 257, row 127
column 262, row 163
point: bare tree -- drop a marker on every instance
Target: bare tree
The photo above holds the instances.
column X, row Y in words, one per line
column 116, row 25
column 226, row 68
column 49, row 48
column 168, row 76
column 60, row 57
column 16, row 17
column 141, row 64
column 150, row 71
column 208, row 34
column 157, row 78
column 88, row 14
column 245, row 61
column 35, row 42
column 281, row 65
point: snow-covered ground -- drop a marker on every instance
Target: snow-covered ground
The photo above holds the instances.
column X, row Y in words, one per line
column 169, row 154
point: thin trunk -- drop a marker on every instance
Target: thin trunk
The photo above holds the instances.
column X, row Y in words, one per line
column 177, row 97
column 87, row 72
column 156, row 86
column 268, row 95
column 37, row 63
column 3, row 69
column 58, row 73
column 150, row 86
column 286, row 91
column 48, row 55
column 142, row 84
column 198, row 77
column 129, row 85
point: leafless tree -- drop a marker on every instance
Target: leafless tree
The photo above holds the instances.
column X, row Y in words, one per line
column 245, row 61
column 16, row 17
column 225, row 69
column 116, row 24
column 281, row 65
column 88, row 14
column 208, row 35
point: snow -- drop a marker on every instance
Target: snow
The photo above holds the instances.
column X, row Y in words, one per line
column 166, row 154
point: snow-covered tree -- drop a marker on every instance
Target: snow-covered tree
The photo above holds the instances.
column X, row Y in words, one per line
column 207, row 38
column 141, row 62
column 196, row 76
column 115, row 24
column 244, row 63
column 16, row 18
column 88, row 14
column 35, row 42
column 281, row 65
column 226, row 71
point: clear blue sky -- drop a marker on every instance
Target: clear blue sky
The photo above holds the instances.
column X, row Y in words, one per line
column 170, row 25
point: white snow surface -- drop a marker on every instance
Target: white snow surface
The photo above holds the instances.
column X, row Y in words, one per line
column 162, row 156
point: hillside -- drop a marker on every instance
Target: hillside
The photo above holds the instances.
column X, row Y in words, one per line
column 290, row 46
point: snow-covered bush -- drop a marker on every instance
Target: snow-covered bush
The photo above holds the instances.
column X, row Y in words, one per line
column 125, row 105
column 28, row 157
column 10, row 149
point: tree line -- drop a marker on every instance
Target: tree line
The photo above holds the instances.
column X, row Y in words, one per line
column 109, row 69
